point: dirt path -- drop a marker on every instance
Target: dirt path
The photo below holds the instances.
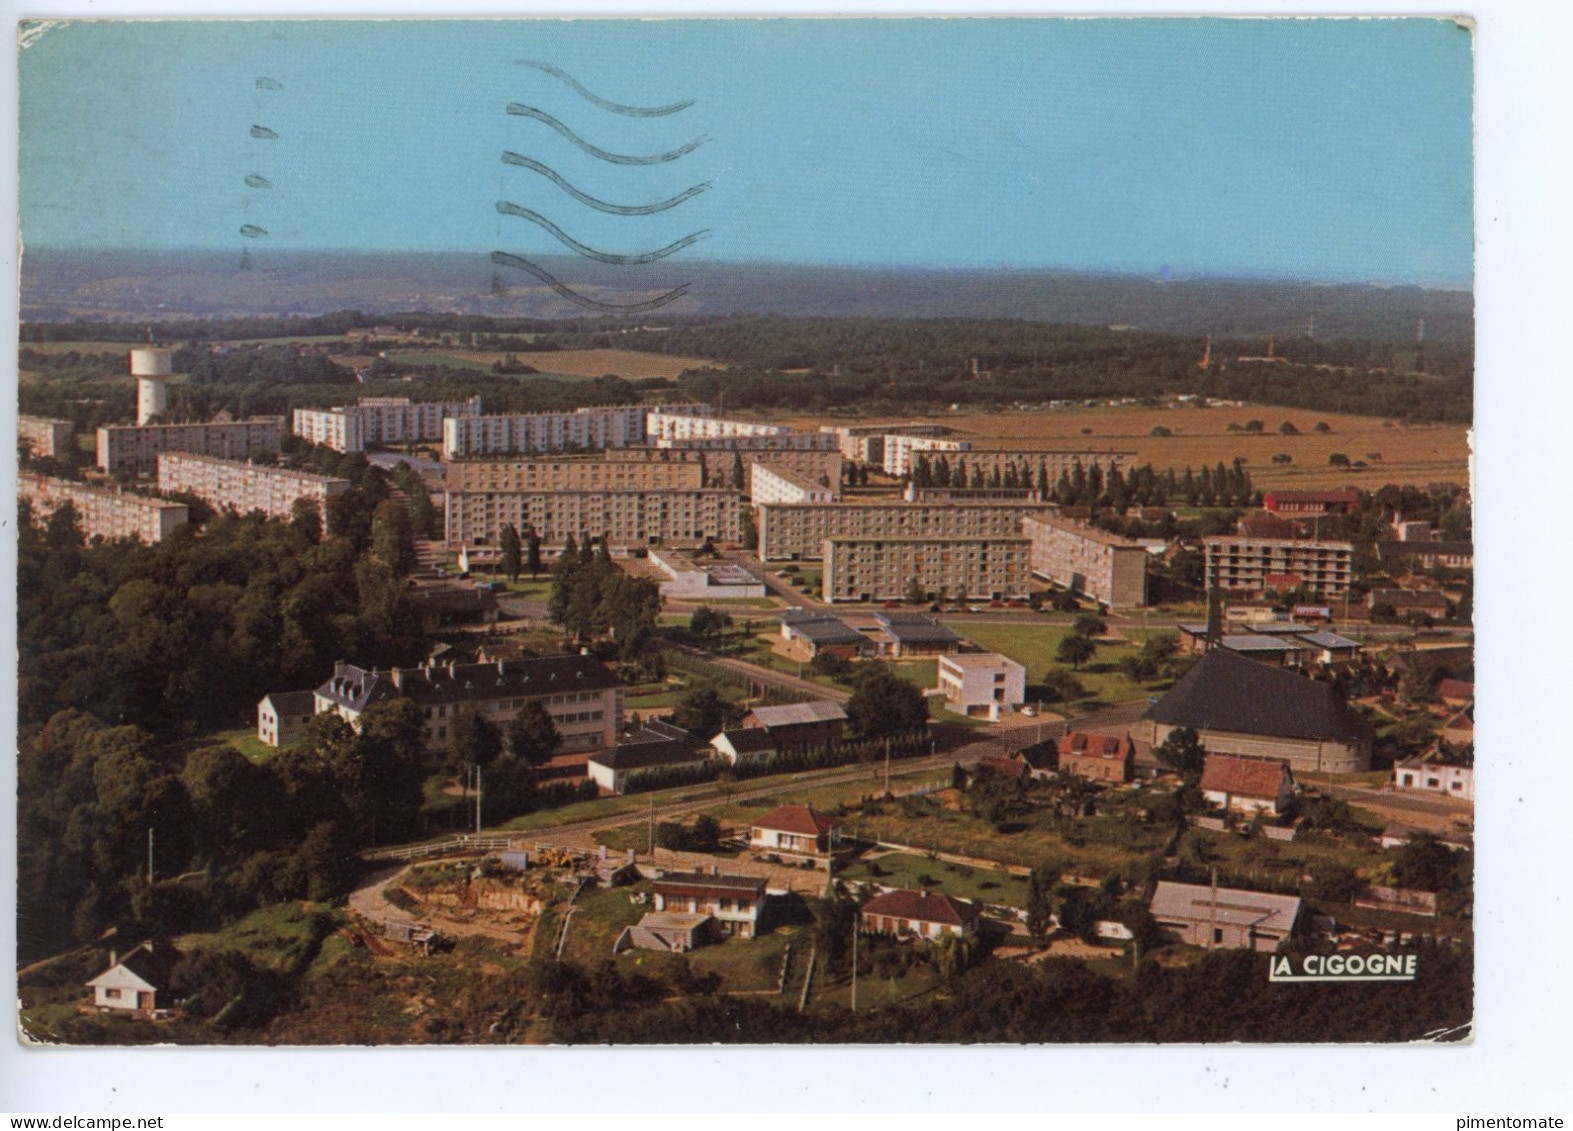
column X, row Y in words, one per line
column 370, row 902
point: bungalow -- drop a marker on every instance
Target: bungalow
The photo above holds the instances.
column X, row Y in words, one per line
column 808, row 633
column 819, row 722
column 1225, row 918
column 1011, row 766
column 924, row 914
column 1430, row 602
column 1097, row 757
column 1238, row 706
column 1247, row 786
column 654, row 748
column 734, row 902
column 133, row 984
column 745, row 746
column 1263, row 649
column 795, row 829
column 282, row 716
column 902, row 635
column 1328, row 648
column 1437, row 771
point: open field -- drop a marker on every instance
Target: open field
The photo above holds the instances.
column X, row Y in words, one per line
column 904, row 870
column 1034, row 646
column 628, row 364
column 1419, row 453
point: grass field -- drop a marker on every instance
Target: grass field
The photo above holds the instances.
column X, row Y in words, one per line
column 1420, row 453
column 1034, row 645
column 246, row 741
column 284, row 937
column 628, row 364
column 903, row 870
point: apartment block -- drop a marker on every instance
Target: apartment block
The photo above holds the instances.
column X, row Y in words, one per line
column 243, row 486
column 762, row 443
column 673, row 425
column 1109, row 569
column 1257, row 564
column 651, row 469
column 901, row 452
column 136, row 447
column 45, row 438
column 379, row 420
column 882, row 569
column 865, row 443
column 587, row 429
column 777, row 485
column 104, row 512
column 797, row 531
column 627, row 519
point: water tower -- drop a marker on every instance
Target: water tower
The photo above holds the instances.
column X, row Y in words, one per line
column 152, row 366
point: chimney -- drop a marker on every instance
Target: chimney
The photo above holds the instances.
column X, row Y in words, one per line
column 338, row 667
column 631, row 857
column 398, row 678
column 500, row 667
column 114, row 957
column 602, row 853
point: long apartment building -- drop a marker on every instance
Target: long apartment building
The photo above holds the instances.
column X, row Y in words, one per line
column 1109, row 569
column 136, row 447
column 379, row 420
column 777, row 485
column 980, row 467
column 760, row 444
column 1256, row 564
column 584, row 699
column 865, row 443
column 245, row 487
column 627, row 519
column 797, row 531
column 901, row 451
column 671, row 425
column 104, row 512
column 883, row 569
column 626, row 469
column 592, row 428
column 46, row 438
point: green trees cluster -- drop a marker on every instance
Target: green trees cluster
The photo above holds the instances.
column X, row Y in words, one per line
column 883, row 704
column 592, row 598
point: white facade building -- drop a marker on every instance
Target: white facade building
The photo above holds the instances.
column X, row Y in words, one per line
column 779, row 485
column 982, row 684
column 380, row 420
column 245, row 487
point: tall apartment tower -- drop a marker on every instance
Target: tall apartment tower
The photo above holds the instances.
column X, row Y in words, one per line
column 152, row 366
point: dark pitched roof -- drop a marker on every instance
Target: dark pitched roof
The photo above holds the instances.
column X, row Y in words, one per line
column 1248, row 777
column 357, row 688
column 749, row 740
column 914, row 628
column 699, row 884
column 1041, row 755
column 292, row 702
column 925, row 906
column 648, row 748
column 797, row 819
column 1231, row 693
column 826, row 631
column 151, row 962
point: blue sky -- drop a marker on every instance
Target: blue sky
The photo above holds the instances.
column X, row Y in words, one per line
column 1320, row 149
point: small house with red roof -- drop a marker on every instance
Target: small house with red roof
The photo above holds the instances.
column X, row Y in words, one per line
column 796, row 829
column 903, row 913
column 1097, row 757
column 1246, row 785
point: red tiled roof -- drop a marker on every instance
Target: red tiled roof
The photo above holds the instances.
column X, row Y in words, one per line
column 797, row 819
column 1007, row 765
column 1245, row 777
column 1461, row 689
column 1080, row 744
column 924, row 906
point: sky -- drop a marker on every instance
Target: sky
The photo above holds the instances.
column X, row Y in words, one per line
column 1328, row 150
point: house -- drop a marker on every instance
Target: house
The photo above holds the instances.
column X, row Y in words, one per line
column 795, row 829
column 1225, row 918
column 1428, row 602
column 1042, row 759
column 903, row 635
column 797, row 726
column 1437, row 771
column 1272, row 650
column 735, row 903
column 282, row 716
column 744, row 746
column 1247, row 786
column 982, row 684
column 1012, row 766
column 655, row 748
column 133, row 984
column 1460, row 729
column 808, row 633
column 1424, row 556
column 1295, row 503
column 924, row 914
column 1328, row 648
column 1097, row 757
column 1238, row 706
column 1456, row 692
column 667, row 932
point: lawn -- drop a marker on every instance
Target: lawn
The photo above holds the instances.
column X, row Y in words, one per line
column 904, row 870
column 245, row 740
column 1034, row 645
column 284, row 937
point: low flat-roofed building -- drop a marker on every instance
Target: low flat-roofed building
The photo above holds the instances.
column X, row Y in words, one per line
column 1424, row 556
column 982, row 684
column 1430, row 602
column 1329, row 648
column 688, row 580
column 1290, row 503
column 1225, row 918
column 1264, row 649
column 886, row 568
column 1083, row 559
column 104, row 512
column 446, row 608
column 902, row 635
column 809, row 632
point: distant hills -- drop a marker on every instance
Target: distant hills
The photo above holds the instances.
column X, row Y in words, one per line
column 131, row 286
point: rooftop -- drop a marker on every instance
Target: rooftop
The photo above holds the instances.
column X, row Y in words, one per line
column 1228, row 692
column 357, row 688
column 797, row 714
column 1232, row 906
column 915, row 628
column 1249, row 777
column 979, row 660
column 924, row 906
column 797, row 819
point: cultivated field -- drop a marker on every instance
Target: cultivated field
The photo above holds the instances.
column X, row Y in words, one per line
column 1393, row 452
column 628, row 364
